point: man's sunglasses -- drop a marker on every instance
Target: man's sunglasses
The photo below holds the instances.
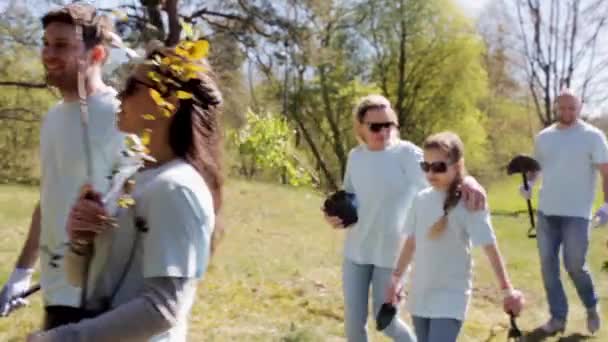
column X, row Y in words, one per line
column 378, row 126
column 435, row 167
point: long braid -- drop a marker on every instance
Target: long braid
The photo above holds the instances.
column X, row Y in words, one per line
column 452, row 146
column 451, row 200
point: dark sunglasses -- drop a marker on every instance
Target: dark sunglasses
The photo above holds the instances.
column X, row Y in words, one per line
column 435, row 167
column 378, row 126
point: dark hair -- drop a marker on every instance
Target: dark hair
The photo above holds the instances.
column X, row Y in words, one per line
column 95, row 28
column 452, row 146
column 195, row 133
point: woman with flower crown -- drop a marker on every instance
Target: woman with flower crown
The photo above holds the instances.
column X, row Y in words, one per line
column 144, row 271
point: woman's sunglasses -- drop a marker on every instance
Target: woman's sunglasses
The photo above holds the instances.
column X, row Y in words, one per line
column 130, row 87
column 378, row 126
column 435, row 167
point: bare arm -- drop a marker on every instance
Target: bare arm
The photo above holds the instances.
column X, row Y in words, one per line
column 405, row 258
column 30, row 251
column 604, row 172
column 474, row 195
column 498, row 266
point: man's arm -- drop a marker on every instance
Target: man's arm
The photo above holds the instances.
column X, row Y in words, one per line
column 603, row 168
column 30, row 251
column 19, row 280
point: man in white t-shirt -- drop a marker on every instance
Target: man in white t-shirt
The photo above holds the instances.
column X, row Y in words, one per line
column 62, row 155
column 570, row 153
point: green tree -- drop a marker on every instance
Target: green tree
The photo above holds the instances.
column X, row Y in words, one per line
column 265, row 148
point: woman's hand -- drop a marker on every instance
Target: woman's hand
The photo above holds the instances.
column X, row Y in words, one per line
column 473, row 194
column 87, row 217
column 393, row 292
column 333, row 221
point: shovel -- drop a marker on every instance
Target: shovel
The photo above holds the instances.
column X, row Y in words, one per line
column 524, row 164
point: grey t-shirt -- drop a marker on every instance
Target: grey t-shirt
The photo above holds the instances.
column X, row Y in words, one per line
column 568, row 159
column 177, row 206
column 385, row 182
column 442, row 268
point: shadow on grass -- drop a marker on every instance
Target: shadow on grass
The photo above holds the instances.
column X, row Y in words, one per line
column 538, row 335
column 510, row 213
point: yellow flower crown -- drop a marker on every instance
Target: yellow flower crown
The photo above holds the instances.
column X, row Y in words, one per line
column 172, row 69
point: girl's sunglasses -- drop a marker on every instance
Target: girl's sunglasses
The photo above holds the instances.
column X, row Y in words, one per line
column 435, row 167
column 378, row 126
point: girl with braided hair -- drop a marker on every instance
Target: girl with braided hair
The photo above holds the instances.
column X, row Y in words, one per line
column 440, row 233
column 144, row 272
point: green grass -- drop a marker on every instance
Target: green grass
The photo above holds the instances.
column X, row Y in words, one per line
column 276, row 276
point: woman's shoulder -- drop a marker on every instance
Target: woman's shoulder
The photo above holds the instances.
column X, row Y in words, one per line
column 180, row 179
column 408, row 149
column 357, row 150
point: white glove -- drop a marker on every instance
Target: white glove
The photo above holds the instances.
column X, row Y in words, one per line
column 601, row 216
column 18, row 283
column 527, row 194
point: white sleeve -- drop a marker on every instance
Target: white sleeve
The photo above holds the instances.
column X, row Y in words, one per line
column 412, row 165
column 479, row 228
column 537, row 151
column 599, row 153
column 409, row 227
column 347, row 183
column 177, row 243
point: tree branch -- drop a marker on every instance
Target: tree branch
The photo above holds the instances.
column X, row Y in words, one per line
column 23, row 84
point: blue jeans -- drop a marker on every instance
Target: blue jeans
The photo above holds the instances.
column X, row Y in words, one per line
column 356, row 281
column 436, row 329
column 572, row 235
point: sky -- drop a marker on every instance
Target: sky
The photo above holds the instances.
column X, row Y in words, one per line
column 472, row 8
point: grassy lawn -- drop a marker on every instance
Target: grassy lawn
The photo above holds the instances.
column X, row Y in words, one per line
column 276, row 276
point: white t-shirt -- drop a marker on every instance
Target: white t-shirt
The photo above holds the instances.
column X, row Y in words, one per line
column 384, row 182
column 177, row 206
column 63, row 172
column 442, row 268
column 568, row 159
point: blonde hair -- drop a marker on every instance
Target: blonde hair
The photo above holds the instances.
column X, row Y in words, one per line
column 370, row 102
column 450, row 144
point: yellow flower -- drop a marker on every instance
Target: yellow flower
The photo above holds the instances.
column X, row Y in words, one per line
column 187, row 28
column 149, row 117
column 193, row 50
column 183, row 95
column 125, row 201
column 169, row 106
column 154, row 77
column 155, row 95
column 146, row 136
column 166, row 112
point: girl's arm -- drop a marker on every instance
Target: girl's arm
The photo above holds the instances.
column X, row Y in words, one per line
column 498, row 266
column 405, row 258
column 513, row 300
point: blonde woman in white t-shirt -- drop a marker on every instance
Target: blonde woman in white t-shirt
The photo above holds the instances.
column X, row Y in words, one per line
column 440, row 232
column 144, row 273
column 384, row 174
